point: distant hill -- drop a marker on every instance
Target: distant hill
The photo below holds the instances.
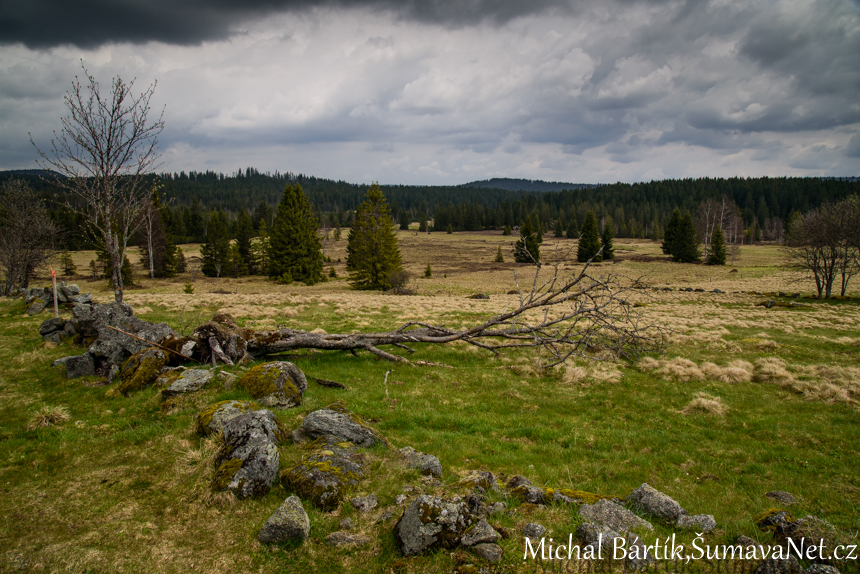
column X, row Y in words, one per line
column 531, row 185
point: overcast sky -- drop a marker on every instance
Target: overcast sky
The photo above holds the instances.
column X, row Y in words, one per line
column 450, row 91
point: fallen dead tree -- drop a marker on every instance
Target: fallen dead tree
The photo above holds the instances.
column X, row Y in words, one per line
column 562, row 316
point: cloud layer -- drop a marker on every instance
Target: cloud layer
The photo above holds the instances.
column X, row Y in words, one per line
column 432, row 92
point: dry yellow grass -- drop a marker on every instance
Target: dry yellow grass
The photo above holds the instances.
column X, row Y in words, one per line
column 703, row 403
column 48, row 416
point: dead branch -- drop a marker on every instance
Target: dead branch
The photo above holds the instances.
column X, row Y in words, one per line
column 563, row 316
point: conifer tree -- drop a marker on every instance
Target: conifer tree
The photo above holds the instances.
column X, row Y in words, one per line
column 260, row 250
column 216, row 251
column 527, row 248
column 559, row 229
column 68, row 263
column 236, row 266
column 606, row 240
column 404, row 220
column 295, row 251
column 507, row 230
column 500, row 257
column 671, row 231
column 244, row 234
column 589, row 242
column 717, row 248
column 685, row 244
column 572, row 229
column 373, row 257
column 428, row 272
column 422, row 224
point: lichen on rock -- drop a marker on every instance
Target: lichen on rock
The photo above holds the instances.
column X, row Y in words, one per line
column 277, row 384
column 289, row 523
column 211, row 419
column 337, row 421
column 430, row 523
column 330, row 472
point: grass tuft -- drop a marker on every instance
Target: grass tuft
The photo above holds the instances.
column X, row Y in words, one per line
column 48, row 416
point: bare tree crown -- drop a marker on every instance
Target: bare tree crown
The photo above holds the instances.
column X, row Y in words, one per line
column 102, row 155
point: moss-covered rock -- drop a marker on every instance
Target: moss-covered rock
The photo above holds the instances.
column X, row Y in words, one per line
column 277, row 384
column 289, row 523
column 211, row 419
column 773, row 519
column 247, row 463
column 141, row 370
column 430, row 523
column 337, row 421
column 330, row 472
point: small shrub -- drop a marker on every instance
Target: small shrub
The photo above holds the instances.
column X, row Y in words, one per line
column 332, row 273
column 428, row 272
column 189, row 288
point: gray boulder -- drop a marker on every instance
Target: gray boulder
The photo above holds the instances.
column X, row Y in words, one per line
column 703, row 523
column 599, row 536
column 517, row 481
column 51, row 326
column 261, row 422
column 613, row 515
column 481, row 532
column 277, row 384
column 246, row 464
column 365, row 503
column 534, row 530
column 430, row 523
column 648, row 499
column 211, row 419
column 329, row 472
column 821, row 569
column 36, row 307
column 78, row 365
column 289, row 523
column 181, row 382
column 426, row 464
column 492, row 553
column 336, row 421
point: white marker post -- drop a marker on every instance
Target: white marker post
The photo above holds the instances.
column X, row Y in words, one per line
column 54, row 282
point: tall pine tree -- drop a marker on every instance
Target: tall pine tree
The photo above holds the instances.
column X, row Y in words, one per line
column 589, row 242
column 527, row 248
column 373, row 257
column 244, row 234
column 572, row 229
column 295, row 251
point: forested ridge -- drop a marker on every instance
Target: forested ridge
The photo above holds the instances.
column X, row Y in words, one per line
column 763, row 205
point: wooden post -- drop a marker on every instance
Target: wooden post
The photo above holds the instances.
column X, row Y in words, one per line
column 54, row 283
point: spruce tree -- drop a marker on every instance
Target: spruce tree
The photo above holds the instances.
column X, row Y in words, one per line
column 527, row 248
column 295, row 251
column 507, row 230
column 428, row 272
column 572, row 229
column 671, row 231
column 244, row 234
column 216, row 251
column 589, row 242
column 606, row 240
column 500, row 257
column 373, row 257
column 68, row 263
column 685, row 244
column 717, row 248
column 559, row 229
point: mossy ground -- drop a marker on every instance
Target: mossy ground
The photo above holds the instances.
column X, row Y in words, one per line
column 124, row 486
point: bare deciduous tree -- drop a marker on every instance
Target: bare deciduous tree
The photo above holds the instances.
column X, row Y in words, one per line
column 102, row 155
column 825, row 243
column 27, row 235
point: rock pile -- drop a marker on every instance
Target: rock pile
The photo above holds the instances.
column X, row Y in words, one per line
column 38, row 299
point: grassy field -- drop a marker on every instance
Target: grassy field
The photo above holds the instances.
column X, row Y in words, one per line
column 744, row 400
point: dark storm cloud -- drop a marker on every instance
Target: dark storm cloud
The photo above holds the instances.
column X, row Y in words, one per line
column 91, row 23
